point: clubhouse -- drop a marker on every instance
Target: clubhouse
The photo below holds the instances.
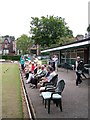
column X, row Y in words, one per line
column 67, row 53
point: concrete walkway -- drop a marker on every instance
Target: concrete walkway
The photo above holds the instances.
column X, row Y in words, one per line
column 74, row 99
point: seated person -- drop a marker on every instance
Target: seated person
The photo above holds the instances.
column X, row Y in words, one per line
column 35, row 69
column 31, row 66
column 48, row 78
column 43, row 72
column 30, row 78
column 26, row 69
column 39, row 71
column 37, row 76
column 34, row 78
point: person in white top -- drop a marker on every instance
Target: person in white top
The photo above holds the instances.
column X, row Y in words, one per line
column 55, row 59
column 76, row 63
column 78, row 71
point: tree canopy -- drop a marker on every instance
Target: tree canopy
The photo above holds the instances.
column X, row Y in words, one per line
column 23, row 43
column 49, row 30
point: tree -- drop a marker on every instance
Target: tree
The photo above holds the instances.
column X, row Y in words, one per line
column 24, row 43
column 49, row 30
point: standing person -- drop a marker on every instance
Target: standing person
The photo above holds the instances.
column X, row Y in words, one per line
column 22, row 61
column 78, row 69
column 52, row 63
column 55, row 59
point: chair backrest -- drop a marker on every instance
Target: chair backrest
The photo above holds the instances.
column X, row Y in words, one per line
column 60, row 86
column 54, row 80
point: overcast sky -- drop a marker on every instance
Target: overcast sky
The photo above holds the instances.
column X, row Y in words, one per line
column 15, row 15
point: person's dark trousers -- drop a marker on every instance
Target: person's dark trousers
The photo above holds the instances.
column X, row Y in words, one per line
column 84, row 75
column 22, row 66
column 27, row 75
column 54, row 66
column 34, row 81
column 78, row 79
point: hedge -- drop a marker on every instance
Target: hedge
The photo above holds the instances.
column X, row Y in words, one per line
column 9, row 57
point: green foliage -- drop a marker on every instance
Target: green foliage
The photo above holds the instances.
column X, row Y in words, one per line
column 8, row 57
column 65, row 40
column 24, row 43
column 44, row 54
column 49, row 30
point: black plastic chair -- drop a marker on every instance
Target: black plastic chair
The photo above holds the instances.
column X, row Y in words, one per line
column 55, row 96
column 53, row 82
column 59, row 89
column 49, row 85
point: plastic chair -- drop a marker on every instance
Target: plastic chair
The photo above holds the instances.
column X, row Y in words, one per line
column 55, row 96
column 49, row 85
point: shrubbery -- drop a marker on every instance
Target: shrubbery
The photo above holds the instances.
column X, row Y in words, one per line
column 10, row 57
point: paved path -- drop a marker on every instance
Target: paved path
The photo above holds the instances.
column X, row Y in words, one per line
column 74, row 99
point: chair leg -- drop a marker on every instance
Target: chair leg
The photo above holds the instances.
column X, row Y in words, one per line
column 56, row 102
column 49, row 106
column 45, row 103
column 43, row 100
column 60, row 104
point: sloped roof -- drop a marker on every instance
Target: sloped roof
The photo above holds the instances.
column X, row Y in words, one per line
column 79, row 43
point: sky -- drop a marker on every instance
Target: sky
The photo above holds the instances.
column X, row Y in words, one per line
column 15, row 15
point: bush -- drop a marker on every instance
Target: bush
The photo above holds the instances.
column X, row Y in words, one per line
column 9, row 57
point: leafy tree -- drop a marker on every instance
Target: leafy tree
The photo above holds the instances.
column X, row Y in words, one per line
column 23, row 43
column 49, row 30
column 65, row 40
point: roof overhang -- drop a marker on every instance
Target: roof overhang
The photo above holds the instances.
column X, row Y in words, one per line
column 79, row 44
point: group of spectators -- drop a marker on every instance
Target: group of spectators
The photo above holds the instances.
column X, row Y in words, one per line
column 35, row 73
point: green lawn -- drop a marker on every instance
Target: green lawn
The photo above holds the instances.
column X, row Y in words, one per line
column 11, row 93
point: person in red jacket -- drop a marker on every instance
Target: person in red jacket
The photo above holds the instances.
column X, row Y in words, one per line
column 32, row 67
